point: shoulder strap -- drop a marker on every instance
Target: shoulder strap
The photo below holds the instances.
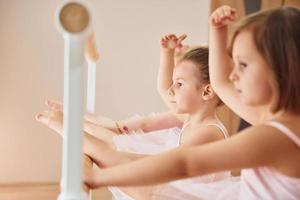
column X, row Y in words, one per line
column 283, row 129
column 222, row 129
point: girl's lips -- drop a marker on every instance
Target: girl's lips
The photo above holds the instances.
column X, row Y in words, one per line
column 238, row 90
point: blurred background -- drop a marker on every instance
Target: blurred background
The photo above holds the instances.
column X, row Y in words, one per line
column 127, row 34
column 31, row 71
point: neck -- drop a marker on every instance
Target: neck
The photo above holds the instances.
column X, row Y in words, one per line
column 202, row 116
column 280, row 115
column 284, row 116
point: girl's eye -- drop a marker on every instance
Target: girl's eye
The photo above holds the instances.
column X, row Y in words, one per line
column 242, row 65
column 178, row 84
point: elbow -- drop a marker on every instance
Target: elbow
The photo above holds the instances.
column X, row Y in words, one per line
column 161, row 90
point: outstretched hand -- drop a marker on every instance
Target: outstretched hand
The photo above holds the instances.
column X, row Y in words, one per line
column 172, row 42
column 90, row 178
column 222, row 16
column 52, row 117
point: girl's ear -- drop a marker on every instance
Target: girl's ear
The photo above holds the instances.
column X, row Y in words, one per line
column 208, row 93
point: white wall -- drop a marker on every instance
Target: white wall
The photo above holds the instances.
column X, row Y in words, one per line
column 31, row 70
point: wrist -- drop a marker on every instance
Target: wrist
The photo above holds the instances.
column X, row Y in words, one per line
column 121, row 129
column 118, row 128
column 167, row 50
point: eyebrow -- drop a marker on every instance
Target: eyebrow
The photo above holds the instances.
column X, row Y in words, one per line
column 238, row 57
column 179, row 78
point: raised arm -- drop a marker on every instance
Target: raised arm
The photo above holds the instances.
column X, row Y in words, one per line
column 167, row 63
column 221, row 65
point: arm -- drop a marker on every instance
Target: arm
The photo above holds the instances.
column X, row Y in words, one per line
column 220, row 65
column 103, row 154
column 167, row 63
column 107, row 127
column 53, row 118
column 145, row 123
column 213, row 157
column 106, row 156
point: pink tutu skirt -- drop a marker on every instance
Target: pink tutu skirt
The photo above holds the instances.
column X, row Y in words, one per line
column 215, row 186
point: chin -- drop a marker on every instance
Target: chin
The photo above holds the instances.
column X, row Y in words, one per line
column 245, row 100
column 251, row 102
column 180, row 111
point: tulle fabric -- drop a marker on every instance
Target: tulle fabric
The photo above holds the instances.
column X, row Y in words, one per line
column 148, row 143
column 214, row 186
column 226, row 189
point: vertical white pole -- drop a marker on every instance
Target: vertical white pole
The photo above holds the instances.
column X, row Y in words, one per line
column 91, row 94
column 73, row 21
column 91, row 87
column 71, row 188
column 92, row 57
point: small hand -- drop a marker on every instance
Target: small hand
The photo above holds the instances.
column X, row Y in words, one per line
column 222, row 16
column 179, row 51
column 53, row 117
column 90, row 178
column 172, row 42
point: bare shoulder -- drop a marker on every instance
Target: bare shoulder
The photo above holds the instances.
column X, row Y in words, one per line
column 201, row 135
column 257, row 146
column 268, row 145
column 287, row 159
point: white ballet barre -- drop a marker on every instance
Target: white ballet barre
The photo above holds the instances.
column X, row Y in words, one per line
column 73, row 20
column 91, row 87
column 92, row 57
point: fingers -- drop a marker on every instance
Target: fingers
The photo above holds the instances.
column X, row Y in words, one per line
column 169, row 37
column 181, row 49
column 171, row 41
column 43, row 118
column 223, row 16
column 91, row 118
column 181, row 38
column 53, row 105
column 172, row 44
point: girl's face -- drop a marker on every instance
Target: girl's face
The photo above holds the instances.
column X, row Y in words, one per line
column 252, row 77
column 185, row 93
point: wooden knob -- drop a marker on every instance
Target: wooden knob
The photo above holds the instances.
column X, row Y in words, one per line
column 74, row 17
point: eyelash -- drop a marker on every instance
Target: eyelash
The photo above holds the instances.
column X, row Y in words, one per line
column 242, row 65
column 177, row 85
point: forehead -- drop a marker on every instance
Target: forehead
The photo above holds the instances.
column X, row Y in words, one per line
column 243, row 45
column 244, row 49
column 184, row 69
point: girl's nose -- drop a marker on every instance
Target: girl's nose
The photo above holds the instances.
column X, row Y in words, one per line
column 233, row 76
column 170, row 91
